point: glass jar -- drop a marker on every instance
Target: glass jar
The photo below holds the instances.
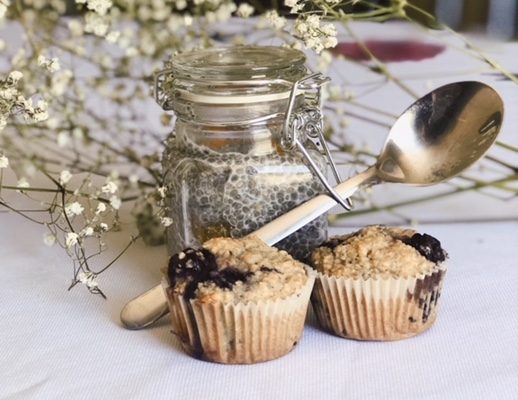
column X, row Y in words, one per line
column 225, row 170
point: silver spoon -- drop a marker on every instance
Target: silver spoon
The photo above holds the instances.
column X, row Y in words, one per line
column 436, row 138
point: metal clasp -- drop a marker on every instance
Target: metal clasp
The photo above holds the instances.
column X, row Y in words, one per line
column 308, row 125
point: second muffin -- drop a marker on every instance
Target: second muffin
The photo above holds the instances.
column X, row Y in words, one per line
column 378, row 283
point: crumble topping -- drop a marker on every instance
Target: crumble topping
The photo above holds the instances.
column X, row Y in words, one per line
column 379, row 251
column 235, row 270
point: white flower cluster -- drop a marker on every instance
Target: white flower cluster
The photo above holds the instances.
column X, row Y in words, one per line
column 50, row 64
column 35, row 113
column 64, row 177
column 71, row 239
column 273, row 19
column 88, row 278
column 3, row 8
column 166, row 221
column 295, row 5
column 96, row 24
column 314, row 34
column 12, row 101
column 4, row 162
column 245, row 10
column 222, row 13
column 9, row 96
column 101, row 7
column 111, row 187
column 74, row 208
column 60, row 81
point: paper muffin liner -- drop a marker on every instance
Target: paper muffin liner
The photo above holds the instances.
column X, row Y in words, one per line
column 240, row 333
column 377, row 309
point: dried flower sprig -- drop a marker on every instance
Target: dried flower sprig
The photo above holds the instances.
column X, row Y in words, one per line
column 74, row 99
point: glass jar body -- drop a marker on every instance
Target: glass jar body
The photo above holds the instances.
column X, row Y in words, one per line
column 230, row 184
column 225, row 171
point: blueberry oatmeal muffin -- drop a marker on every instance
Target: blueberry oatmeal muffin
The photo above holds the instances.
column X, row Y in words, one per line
column 237, row 301
column 378, row 283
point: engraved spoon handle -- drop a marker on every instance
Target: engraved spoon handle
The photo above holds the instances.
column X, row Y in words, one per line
column 149, row 307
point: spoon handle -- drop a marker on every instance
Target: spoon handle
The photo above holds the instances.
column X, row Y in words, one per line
column 150, row 306
column 304, row 213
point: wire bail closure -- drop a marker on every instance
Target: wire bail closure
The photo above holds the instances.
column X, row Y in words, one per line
column 308, row 125
column 299, row 127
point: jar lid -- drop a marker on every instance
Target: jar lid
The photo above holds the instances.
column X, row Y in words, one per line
column 239, row 63
column 233, row 75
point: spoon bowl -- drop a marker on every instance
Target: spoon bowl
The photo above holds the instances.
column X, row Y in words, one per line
column 441, row 134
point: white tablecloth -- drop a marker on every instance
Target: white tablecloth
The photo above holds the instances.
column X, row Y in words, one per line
column 56, row 344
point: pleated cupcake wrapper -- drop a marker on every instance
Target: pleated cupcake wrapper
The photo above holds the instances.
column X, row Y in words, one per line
column 377, row 309
column 239, row 333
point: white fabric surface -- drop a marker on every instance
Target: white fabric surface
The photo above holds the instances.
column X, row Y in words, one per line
column 56, row 344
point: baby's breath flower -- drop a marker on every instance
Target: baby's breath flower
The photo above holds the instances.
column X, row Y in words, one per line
column 23, row 183
column 78, row 133
column 188, row 20
column 60, row 82
column 75, row 27
column 314, row 35
column 99, row 6
column 294, row 5
column 101, row 207
column 39, row 113
column 88, row 279
column 161, row 191
column 275, row 20
column 313, row 21
column 96, row 24
column 88, row 231
column 180, row 4
column 113, row 36
column 14, row 77
column 52, row 123
column 109, row 187
column 63, row 138
column 50, row 64
column 74, row 208
column 324, row 61
column 333, row 92
column 166, row 221
column 64, row 176
column 245, row 10
column 4, row 162
column 131, row 51
column 115, row 202
column 49, row 239
column 71, row 239
column 3, row 8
